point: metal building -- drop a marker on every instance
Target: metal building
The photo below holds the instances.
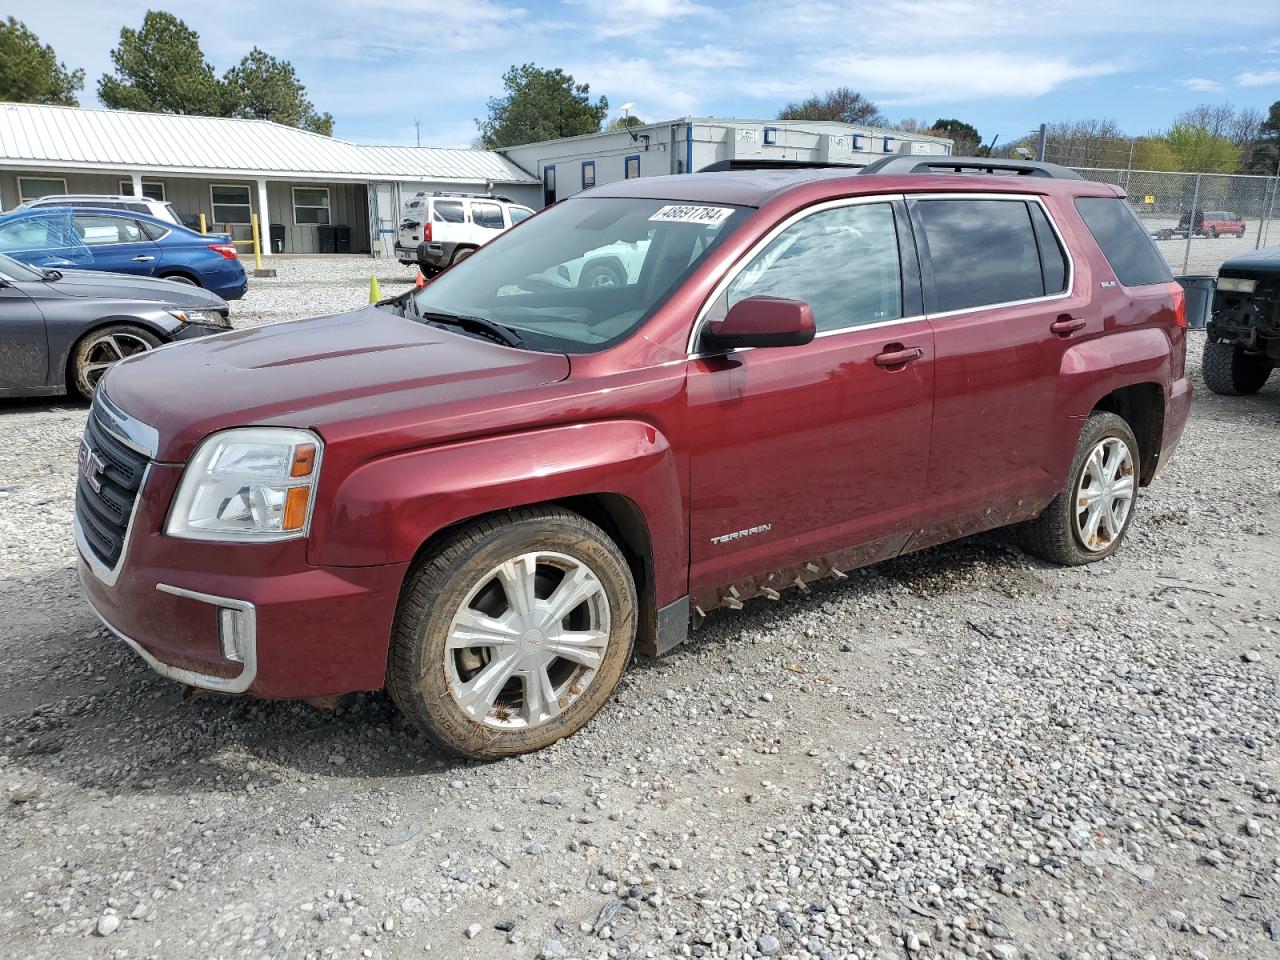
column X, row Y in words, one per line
column 312, row 193
column 686, row 145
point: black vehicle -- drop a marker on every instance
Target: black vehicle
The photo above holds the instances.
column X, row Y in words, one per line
column 60, row 332
column 1243, row 343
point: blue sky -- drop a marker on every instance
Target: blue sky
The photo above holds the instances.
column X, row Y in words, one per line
column 1003, row 65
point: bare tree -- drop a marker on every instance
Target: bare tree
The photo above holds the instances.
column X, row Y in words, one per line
column 841, row 104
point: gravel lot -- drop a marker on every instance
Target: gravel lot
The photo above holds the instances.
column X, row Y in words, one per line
column 963, row 753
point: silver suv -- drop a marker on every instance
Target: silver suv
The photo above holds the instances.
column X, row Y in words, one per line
column 160, row 209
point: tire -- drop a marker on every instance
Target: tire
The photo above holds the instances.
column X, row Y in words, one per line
column 1230, row 372
column 1211, row 233
column 601, row 275
column 180, row 278
column 1060, row 533
column 467, row 576
column 461, row 254
column 99, row 349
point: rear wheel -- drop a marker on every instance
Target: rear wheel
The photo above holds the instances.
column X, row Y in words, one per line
column 460, row 255
column 179, row 278
column 601, row 275
column 513, row 634
column 1231, row 372
column 1088, row 520
column 1211, row 233
column 102, row 348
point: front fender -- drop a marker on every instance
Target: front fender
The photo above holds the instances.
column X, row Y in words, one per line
column 386, row 509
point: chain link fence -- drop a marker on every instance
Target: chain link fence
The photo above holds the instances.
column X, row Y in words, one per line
column 1198, row 220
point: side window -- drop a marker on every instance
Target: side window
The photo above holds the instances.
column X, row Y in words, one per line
column 1123, row 240
column 1053, row 261
column 487, row 215
column 34, row 233
column 448, row 211
column 151, row 231
column 842, row 262
column 983, row 252
column 96, row 231
column 520, row 213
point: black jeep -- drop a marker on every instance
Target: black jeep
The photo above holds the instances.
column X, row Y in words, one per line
column 1243, row 344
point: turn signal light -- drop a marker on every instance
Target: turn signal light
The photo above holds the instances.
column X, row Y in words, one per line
column 304, row 460
column 295, row 508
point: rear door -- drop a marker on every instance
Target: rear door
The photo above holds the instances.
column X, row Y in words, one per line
column 997, row 285
column 487, row 220
column 118, row 243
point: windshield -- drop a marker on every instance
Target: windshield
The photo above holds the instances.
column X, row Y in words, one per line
column 11, row 269
column 584, row 274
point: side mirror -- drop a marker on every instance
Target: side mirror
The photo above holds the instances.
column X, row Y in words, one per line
column 762, row 322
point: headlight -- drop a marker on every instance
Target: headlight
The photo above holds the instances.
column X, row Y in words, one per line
column 250, row 483
column 207, row 318
column 1237, row 285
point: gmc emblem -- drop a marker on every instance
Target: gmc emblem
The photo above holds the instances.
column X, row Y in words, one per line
column 91, row 466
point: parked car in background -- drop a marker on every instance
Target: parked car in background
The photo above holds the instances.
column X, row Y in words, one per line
column 1206, row 223
column 483, row 494
column 439, row 229
column 123, row 242
column 1242, row 337
column 60, row 332
column 160, row 209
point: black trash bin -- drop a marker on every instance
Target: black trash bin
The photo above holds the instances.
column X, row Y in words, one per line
column 1199, row 291
column 328, row 238
column 277, row 238
column 342, row 235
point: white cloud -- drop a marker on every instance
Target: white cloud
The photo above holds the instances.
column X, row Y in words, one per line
column 1264, row 78
column 624, row 18
column 1200, row 83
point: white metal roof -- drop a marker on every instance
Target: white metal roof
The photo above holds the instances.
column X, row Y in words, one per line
column 34, row 136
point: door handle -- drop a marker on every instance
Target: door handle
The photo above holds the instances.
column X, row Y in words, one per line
column 1066, row 325
column 143, row 259
column 898, row 356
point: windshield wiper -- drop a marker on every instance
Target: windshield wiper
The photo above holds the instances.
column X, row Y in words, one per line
column 490, row 328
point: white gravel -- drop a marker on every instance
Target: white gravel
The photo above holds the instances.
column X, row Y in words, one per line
column 962, row 753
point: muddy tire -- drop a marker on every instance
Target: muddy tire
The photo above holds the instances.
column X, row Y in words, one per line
column 1231, row 372
column 513, row 633
column 460, row 255
column 100, row 349
column 1088, row 520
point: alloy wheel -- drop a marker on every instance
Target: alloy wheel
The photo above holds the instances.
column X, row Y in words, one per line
column 1104, row 494
column 107, row 350
column 527, row 640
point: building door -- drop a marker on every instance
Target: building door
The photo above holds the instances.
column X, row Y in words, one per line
column 548, row 185
column 383, row 219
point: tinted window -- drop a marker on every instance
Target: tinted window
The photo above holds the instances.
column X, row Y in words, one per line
column 100, row 230
column 488, row 215
column 1053, row 261
column 1124, row 243
column 842, row 262
column 520, row 213
column 983, row 252
column 448, row 211
column 151, row 231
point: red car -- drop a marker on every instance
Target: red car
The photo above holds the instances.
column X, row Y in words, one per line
column 484, row 494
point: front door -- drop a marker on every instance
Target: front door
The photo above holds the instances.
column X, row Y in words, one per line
column 117, row 243
column 26, row 345
column 814, row 454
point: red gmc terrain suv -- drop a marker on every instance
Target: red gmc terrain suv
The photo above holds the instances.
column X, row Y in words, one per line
column 483, row 495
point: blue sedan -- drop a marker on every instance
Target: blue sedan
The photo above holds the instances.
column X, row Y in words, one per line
column 119, row 241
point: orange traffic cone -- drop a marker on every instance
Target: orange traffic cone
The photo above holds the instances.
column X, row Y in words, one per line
column 421, row 281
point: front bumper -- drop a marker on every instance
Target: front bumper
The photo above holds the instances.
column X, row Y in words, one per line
column 241, row 618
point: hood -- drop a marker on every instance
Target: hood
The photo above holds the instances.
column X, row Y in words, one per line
column 123, row 286
column 319, row 374
column 1253, row 263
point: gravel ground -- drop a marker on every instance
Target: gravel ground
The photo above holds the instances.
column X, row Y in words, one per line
column 963, row 753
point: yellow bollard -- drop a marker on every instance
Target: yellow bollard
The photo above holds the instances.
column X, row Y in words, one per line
column 257, row 242
column 203, row 225
column 375, row 294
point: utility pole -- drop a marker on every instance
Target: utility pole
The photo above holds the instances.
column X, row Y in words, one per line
column 1044, row 142
column 417, row 131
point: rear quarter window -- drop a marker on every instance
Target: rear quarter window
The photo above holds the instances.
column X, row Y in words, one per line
column 1123, row 241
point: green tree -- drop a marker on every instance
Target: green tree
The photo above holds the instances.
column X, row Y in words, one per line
column 1264, row 157
column 965, row 135
column 842, row 104
column 1199, row 150
column 30, row 71
column 264, row 88
column 1153, row 153
column 161, row 69
column 622, row 123
column 540, row 105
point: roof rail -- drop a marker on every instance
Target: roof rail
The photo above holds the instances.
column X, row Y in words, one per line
column 770, row 163
column 460, row 193
column 1024, row 168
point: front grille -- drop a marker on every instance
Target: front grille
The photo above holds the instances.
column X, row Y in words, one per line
column 118, row 469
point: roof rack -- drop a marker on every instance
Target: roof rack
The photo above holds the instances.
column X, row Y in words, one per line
column 1024, row 168
column 770, row 163
column 476, row 196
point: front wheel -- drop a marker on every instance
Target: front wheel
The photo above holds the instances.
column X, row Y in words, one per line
column 513, row 634
column 1231, row 372
column 1088, row 520
column 103, row 348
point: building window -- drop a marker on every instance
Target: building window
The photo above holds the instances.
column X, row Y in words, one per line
column 151, row 189
column 33, row 188
column 231, row 203
column 588, row 174
column 548, row 185
column 633, row 166
column 310, row 205
column 770, row 136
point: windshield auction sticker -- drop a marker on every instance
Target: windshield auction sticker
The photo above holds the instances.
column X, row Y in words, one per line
column 692, row 213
